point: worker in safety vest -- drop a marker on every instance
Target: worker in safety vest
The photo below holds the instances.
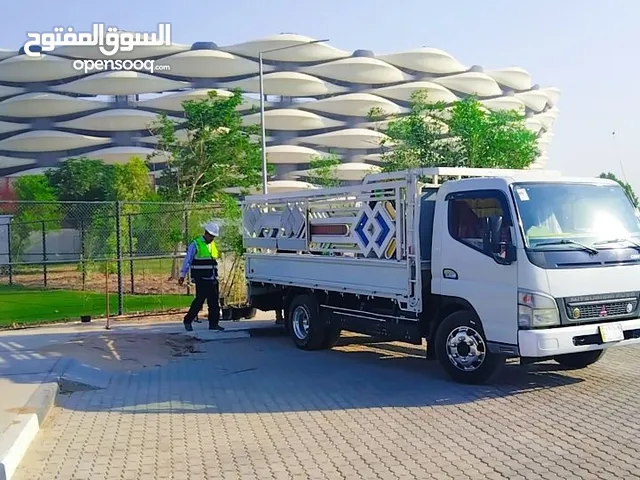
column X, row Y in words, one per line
column 201, row 263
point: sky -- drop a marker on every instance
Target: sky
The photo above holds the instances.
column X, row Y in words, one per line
column 587, row 48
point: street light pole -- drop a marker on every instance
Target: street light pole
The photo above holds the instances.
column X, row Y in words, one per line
column 263, row 136
column 262, row 123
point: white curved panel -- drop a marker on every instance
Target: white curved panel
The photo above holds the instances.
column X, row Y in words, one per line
column 210, row 63
column 291, row 119
column 293, row 84
column 12, row 162
column 348, row 138
column 7, row 127
column 303, row 53
column 376, row 124
column 546, row 118
column 354, row 104
column 533, row 124
column 512, row 77
column 291, row 154
column 32, row 171
column 174, row 101
column 344, row 171
column 471, row 83
column 552, row 94
column 182, row 135
column 123, row 154
column 115, row 120
column 277, row 186
column 120, row 83
column 4, row 53
column 36, row 69
column 49, row 141
column 428, row 60
column 544, row 141
column 358, row 70
column 44, row 104
column 435, row 93
column 6, row 91
column 540, row 162
column 371, row 157
column 504, row 103
column 94, row 53
column 534, row 99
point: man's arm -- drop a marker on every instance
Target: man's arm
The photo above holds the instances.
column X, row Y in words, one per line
column 186, row 265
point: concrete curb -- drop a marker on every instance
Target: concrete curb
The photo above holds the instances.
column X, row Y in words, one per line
column 16, row 439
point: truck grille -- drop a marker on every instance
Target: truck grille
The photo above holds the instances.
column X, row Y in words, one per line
column 586, row 310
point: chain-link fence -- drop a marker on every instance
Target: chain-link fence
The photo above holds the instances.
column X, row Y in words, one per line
column 64, row 260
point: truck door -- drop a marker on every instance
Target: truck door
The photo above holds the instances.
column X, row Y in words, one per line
column 473, row 268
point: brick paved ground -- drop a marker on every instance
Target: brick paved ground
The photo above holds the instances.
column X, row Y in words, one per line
column 260, row 409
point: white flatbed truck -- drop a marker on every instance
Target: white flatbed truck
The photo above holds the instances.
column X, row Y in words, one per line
column 484, row 264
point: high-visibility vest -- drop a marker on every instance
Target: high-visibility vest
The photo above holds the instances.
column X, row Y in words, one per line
column 204, row 264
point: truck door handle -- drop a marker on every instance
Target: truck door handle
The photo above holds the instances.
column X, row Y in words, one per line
column 450, row 274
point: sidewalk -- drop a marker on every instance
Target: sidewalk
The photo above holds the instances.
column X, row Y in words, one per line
column 34, row 362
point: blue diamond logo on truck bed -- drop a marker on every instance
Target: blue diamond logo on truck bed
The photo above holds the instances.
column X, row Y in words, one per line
column 360, row 229
column 384, row 229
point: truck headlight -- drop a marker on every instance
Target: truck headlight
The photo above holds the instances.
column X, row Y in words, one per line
column 537, row 310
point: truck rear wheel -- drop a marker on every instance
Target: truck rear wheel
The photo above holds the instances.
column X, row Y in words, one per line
column 461, row 349
column 575, row 361
column 305, row 324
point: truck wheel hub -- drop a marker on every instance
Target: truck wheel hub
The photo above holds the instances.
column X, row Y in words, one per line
column 466, row 349
column 301, row 322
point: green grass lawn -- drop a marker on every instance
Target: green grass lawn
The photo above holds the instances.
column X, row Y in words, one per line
column 31, row 306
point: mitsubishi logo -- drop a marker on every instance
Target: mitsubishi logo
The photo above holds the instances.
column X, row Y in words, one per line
column 603, row 312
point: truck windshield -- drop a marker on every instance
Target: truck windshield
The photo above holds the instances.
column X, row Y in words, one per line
column 576, row 216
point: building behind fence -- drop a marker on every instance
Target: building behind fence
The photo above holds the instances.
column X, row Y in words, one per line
column 129, row 250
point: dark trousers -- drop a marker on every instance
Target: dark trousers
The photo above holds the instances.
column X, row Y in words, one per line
column 205, row 290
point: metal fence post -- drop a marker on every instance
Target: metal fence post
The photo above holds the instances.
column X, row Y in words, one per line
column 44, row 252
column 83, row 265
column 9, row 253
column 119, row 257
column 131, row 273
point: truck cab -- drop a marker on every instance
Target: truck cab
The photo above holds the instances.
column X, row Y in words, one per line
column 496, row 265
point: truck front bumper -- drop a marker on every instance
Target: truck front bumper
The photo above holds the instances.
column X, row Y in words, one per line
column 549, row 342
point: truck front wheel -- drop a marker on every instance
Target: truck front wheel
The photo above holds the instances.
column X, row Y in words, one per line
column 461, row 349
column 305, row 323
column 575, row 361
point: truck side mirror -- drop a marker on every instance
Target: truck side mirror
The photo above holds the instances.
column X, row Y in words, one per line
column 502, row 253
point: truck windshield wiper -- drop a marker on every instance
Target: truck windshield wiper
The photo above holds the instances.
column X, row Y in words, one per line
column 635, row 244
column 566, row 241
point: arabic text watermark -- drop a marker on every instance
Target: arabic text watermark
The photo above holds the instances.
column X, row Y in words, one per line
column 109, row 40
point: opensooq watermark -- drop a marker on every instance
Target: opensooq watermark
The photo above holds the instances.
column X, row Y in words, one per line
column 109, row 41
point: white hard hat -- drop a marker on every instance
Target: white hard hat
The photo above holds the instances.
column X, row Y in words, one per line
column 212, row 228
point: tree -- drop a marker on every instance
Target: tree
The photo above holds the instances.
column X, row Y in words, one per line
column 80, row 180
column 463, row 134
column 218, row 152
column 323, row 170
column 628, row 189
column 40, row 212
column 130, row 182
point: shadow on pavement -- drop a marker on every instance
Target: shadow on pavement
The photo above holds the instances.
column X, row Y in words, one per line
column 173, row 373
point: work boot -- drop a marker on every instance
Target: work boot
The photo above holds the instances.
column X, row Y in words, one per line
column 188, row 327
